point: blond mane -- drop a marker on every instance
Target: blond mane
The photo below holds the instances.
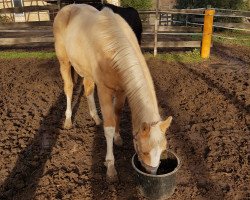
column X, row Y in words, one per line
column 126, row 57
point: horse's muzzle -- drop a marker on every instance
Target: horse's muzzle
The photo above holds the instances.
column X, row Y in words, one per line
column 149, row 169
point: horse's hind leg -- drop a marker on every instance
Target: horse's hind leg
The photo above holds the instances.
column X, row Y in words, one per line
column 89, row 89
column 118, row 105
column 65, row 69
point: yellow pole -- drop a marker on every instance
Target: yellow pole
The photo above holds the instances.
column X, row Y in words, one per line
column 207, row 33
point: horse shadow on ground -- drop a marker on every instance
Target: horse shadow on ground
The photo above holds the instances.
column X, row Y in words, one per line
column 185, row 145
column 23, row 179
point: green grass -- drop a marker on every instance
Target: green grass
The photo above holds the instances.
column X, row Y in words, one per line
column 233, row 38
column 186, row 57
column 23, row 54
column 183, row 57
column 230, row 37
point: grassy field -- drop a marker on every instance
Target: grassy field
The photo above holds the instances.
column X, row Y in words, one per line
column 25, row 54
column 185, row 57
column 233, row 37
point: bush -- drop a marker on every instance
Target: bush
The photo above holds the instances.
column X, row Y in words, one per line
column 137, row 4
column 226, row 4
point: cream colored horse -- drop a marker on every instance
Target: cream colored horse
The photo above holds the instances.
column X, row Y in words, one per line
column 103, row 49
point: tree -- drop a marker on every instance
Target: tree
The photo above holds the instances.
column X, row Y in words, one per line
column 137, row 4
column 226, row 4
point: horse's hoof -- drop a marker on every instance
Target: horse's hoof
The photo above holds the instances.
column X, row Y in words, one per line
column 67, row 124
column 111, row 179
column 111, row 175
column 111, row 172
column 118, row 140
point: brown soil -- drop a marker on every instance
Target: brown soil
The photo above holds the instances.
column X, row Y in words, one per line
column 210, row 103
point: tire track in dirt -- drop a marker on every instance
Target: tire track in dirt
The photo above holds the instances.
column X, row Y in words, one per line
column 210, row 106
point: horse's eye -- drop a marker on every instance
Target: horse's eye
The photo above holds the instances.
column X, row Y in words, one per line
column 145, row 153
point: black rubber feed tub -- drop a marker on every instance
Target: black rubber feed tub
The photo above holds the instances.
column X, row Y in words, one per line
column 162, row 185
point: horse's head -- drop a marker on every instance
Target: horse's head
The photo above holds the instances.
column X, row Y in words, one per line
column 150, row 142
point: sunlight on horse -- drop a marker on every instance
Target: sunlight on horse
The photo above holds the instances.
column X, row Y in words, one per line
column 103, row 49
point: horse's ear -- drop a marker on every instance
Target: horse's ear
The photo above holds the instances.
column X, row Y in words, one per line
column 164, row 125
column 145, row 128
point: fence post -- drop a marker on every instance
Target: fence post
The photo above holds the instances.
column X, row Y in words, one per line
column 156, row 27
column 207, row 33
column 59, row 4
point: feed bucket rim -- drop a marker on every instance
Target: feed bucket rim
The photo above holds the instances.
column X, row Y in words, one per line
column 161, row 175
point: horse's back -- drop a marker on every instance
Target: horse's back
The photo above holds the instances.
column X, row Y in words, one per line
column 66, row 15
column 72, row 28
column 90, row 38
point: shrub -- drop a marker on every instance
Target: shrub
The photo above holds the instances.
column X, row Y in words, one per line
column 137, row 4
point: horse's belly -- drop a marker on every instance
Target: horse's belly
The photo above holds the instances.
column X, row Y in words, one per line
column 109, row 78
column 81, row 63
column 82, row 71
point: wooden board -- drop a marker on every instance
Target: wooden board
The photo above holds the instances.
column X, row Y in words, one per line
column 16, row 41
column 28, row 9
column 172, row 44
column 27, row 31
column 173, row 29
column 165, row 44
column 176, row 11
column 232, row 25
column 22, row 25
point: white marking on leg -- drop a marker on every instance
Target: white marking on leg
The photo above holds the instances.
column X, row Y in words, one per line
column 92, row 108
column 109, row 135
column 68, row 112
column 114, row 102
column 110, row 160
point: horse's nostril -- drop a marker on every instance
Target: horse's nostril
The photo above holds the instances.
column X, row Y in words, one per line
column 153, row 171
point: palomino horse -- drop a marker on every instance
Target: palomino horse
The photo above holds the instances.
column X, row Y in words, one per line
column 103, row 49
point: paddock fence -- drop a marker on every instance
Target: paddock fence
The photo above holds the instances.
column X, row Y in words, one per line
column 168, row 28
column 185, row 27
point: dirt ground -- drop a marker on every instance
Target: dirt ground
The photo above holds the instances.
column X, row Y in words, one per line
column 210, row 104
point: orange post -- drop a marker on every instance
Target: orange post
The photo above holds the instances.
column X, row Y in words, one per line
column 207, row 33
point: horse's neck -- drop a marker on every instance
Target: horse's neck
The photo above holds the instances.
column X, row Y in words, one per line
column 143, row 110
column 126, row 58
column 141, row 96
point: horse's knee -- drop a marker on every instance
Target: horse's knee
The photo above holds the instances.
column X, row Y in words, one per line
column 89, row 86
column 65, row 66
column 68, row 88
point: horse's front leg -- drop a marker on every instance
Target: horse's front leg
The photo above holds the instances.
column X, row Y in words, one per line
column 89, row 89
column 65, row 69
column 106, row 101
column 118, row 105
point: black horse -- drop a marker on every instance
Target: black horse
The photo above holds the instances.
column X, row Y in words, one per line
column 129, row 14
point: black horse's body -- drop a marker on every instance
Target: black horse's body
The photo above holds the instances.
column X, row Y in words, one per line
column 129, row 14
